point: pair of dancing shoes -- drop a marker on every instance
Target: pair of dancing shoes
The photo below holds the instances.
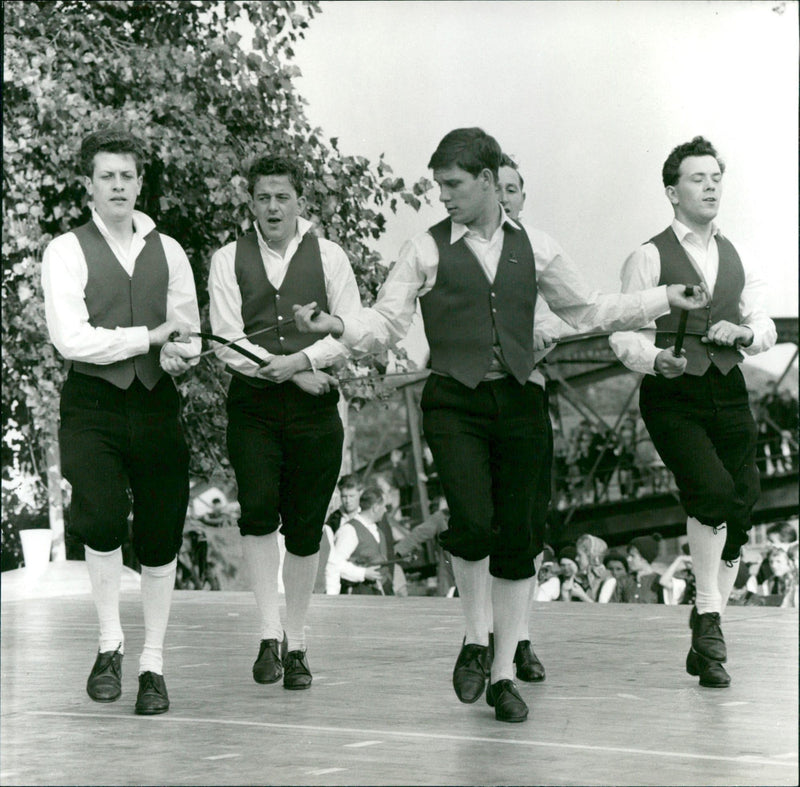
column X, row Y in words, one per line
column 471, row 676
column 276, row 661
column 105, row 685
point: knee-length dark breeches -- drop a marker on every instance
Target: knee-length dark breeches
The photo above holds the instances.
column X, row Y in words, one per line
column 491, row 449
column 285, row 446
column 123, row 449
column 704, row 431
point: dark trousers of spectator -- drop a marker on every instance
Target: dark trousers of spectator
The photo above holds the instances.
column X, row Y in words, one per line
column 285, row 446
column 704, row 432
column 492, row 448
column 119, row 446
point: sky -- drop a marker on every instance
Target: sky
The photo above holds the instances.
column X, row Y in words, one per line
column 589, row 98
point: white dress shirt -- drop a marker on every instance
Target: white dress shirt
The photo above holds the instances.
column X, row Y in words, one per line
column 637, row 350
column 64, row 278
column 558, row 279
column 226, row 298
column 345, row 545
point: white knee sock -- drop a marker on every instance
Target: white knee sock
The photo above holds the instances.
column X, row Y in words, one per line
column 524, row 629
column 727, row 577
column 510, row 602
column 105, row 576
column 157, row 585
column 472, row 588
column 705, row 546
column 299, row 575
column 262, row 560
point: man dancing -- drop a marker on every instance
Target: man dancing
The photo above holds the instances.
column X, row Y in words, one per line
column 115, row 289
column 284, row 431
column 477, row 274
column 695, row 403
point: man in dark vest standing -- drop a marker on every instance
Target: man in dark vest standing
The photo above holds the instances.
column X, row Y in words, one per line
column 363, row 550
column 115, row 289
column 477, row 275
column 284, row 431
column 695, row 403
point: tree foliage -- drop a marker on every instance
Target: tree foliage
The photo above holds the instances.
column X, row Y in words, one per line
column 207, row 85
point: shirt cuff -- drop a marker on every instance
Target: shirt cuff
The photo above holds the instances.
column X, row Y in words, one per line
column 138, row 339
column 656, row 301
column 349, row 336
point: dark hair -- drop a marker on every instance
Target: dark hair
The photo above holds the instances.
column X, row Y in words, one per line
column 618, row 556
column 472, row 149
column 348, row 482
column 507, row 161
column 109, row 140
column 699, row 146
column 370, row 496
column 787, row 533
column 275, row 165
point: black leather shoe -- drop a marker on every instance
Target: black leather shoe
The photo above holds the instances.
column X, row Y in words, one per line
column 712, row 673
column 470, row 672
column 296, row 674
column 707, row 639
column 105, row 679
column 152, row 697
column 267, row 667
column 529, row 668
column 504, row 698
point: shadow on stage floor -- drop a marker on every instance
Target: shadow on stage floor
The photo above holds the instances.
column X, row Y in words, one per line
column 617, row 707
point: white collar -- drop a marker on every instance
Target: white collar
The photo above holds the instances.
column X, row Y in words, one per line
column 458, row 231
column 681, row 230
column 303, row 226
column 142, row 223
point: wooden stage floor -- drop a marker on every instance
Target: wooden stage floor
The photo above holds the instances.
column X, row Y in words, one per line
column 617, row 707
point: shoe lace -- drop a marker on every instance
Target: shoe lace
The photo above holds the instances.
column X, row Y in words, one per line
column 149, row 682
column 294, row 660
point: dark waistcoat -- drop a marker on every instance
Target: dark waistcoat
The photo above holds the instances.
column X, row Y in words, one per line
column 369, row 552
column 677, row 268
column 264, row 306
column 116, row 300
column 466, row 316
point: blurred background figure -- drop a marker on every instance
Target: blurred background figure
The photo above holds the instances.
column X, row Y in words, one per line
column 362, row 551
column 645, row 588
column 349, row 490
column 677, row 582
column 615, row 562
column 589, row 552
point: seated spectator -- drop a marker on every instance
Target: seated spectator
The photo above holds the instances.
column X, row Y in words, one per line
column 568, row 562
column 349, row 496
column 591, row 570
column 783, row 577
column 645, row 589
column 548, row 584
column 677, row 582
column 781, row 535
column 616, row 565
column 743, row 590
column 362, row 550
column 424, row 532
